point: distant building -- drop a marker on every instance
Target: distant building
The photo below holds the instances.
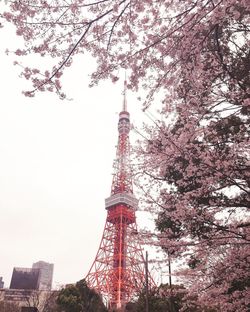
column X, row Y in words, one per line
column 17, row 295
column 27, row 299
column 25, row 278
column 1, row 282
column 46, row 274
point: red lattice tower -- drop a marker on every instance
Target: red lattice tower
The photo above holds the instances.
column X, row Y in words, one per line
column 118, row 271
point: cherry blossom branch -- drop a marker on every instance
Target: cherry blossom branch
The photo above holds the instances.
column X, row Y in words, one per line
column 89, row 24
column 65, row 6
column 114, row 25
column 222, row 58
column 64, row 61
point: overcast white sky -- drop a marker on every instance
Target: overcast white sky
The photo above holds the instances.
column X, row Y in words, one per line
column 55, row 168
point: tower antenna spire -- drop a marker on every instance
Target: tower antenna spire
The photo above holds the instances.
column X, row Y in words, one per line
column 124, row 108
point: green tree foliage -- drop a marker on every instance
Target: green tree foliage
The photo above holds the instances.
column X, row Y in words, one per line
column 80, row 298
column 167, row 299
column 161, row 299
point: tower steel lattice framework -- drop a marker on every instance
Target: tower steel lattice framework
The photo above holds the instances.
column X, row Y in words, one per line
column 118, row 271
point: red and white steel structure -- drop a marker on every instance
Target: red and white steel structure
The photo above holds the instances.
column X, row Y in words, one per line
column 118, row 271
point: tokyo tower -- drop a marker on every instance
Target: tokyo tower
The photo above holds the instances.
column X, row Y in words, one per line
column 118, row 271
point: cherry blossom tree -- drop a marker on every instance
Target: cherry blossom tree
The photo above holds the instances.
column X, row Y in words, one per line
column 197, row 166
column 147, row 37
column 193, row 57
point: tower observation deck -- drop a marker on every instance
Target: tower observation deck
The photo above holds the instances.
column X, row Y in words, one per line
column 118, row 271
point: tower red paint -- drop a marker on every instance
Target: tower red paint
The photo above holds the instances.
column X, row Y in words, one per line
column 118, row 271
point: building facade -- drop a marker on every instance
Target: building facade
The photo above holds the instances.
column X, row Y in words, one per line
column 25, row 278
column 28, row 299
column 46, row 274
